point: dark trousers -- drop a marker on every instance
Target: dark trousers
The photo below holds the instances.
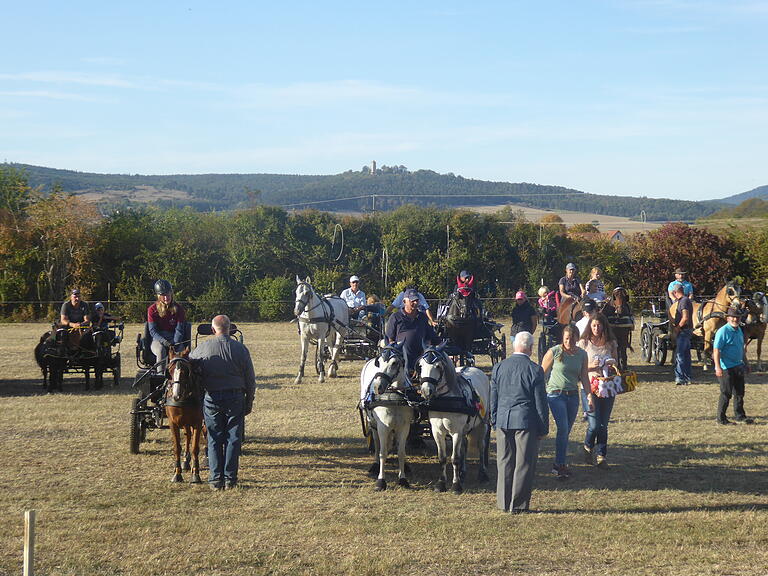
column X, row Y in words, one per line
column 516, row 455
column 224, row 412
column 731, row 384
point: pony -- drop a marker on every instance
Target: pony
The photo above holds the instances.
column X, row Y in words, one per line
column 461, row 317
column 56, row 349
column 619, row 314
column 709, row 316
column 569, row 311
column 755, row 320
column 184, row 409
column 383, row 386
column 320, row 318
column 457, row 401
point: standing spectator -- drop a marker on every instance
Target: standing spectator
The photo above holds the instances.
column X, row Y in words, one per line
column 355, row 298
column 524, row 317
column 570, row 284
column 566, row 365
column 520, row 416
column 230, row 387
column 600, row 345
column 166, row 320
column 74, row 311
column 680, row 274
column 683, row 324
column 730, row 356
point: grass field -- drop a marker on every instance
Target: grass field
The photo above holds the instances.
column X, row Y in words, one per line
column 681, row 496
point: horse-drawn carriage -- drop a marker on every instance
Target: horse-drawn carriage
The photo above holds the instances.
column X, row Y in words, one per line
column 148, row 408
column 64, row 350
column 469, row 335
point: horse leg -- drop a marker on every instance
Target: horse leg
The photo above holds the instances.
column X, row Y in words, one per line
column 373, row 471
column 187, row 443
column 320, row 365
column 303, row 358
column 439, row 435
column 197, row 430
column 87, row 378
column 482, row 436
column 759, row 351
column 334, row 367
column 385, row 441
column 403, row 427
column 458, row 461
column 176, row 438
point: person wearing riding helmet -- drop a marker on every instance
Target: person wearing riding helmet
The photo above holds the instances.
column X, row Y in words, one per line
column 166, row 320
column 101, row 321
column 464, row 311
column 570, row 284
column 680, row 278
column 590, row 310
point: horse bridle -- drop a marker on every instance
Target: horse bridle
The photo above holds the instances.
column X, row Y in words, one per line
column 174, row 383
column 309, row 293
column 438, row 361
column 389, row 352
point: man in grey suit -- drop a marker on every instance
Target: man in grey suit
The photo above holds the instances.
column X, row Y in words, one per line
column 520, row 416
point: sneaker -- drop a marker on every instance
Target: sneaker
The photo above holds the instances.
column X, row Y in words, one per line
column 230, row 485
column 587, row 452
column 601, row 461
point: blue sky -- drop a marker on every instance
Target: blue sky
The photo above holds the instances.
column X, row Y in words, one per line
column 661, row 98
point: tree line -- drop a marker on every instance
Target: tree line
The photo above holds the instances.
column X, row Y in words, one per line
column 245, row 262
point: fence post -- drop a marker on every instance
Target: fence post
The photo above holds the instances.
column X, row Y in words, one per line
column 29, row 543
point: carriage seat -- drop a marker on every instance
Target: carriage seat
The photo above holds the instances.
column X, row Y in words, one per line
column 144, row 356
column 206, row 329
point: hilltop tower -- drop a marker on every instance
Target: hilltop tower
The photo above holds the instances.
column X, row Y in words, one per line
column 373, row 166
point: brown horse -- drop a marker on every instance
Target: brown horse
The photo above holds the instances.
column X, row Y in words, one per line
column 569, row 311
column 183, row 406
column 619, row 314
column 709, row 316
column 755, row 323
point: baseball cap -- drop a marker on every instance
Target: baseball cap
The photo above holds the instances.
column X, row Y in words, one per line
column 98, row 305
column 570, row 266
column 520, row 295
column 75, row 291
column 354, row 279
column 464, row 274
column 411, row 294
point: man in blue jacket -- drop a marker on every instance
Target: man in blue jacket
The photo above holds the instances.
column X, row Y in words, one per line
column 520, row 416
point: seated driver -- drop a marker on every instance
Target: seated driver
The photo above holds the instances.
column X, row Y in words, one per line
column 355, row 298
column 74, row 311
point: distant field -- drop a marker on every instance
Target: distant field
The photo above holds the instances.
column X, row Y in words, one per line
column 682, row 496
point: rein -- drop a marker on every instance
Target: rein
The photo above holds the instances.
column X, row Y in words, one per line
column 328, row 314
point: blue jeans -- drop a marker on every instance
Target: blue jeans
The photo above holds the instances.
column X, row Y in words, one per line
column 225, row 420
column 597, row 424
column 683, row 357
column 564, row 408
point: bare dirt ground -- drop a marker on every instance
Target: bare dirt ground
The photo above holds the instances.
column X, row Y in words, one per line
column 681, row 495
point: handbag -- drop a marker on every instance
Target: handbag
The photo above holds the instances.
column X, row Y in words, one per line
column 610, row 386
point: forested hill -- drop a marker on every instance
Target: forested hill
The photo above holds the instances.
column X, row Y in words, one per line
column 350, row 191
column 759, row 192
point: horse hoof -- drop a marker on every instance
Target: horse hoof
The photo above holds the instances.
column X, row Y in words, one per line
column 196, row 479
column 177, row 478
column 381, row 485
column 403, row 483
column 457, row 488
column 440, row 486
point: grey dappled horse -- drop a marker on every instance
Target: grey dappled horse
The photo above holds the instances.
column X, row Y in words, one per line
column 320, row 318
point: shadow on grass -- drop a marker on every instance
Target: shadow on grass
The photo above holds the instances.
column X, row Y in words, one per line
column 73, row 384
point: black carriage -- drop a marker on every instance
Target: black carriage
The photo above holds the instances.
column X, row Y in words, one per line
column 490, row 341
column 362, row 339
column 148, row 407
column 82, row 350
column 656, row 340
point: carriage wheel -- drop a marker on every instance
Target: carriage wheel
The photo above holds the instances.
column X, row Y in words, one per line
column 646, row 343
column 659, row 350
column 135, row 433
column 503, row 346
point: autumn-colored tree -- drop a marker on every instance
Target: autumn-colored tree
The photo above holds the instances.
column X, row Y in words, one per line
column 655, row 255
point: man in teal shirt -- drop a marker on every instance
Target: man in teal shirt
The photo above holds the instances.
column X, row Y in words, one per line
column 731, row 364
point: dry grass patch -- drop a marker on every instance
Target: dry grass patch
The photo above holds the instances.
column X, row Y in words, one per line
column 682, row 495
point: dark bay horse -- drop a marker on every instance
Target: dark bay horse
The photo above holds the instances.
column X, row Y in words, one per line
column 619, row 314
column 183, row 406
column 709, row 316
column 754, row 325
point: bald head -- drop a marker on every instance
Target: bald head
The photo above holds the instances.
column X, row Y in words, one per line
column 221, row 324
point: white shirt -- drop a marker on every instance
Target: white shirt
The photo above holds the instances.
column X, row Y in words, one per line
column 353, row 299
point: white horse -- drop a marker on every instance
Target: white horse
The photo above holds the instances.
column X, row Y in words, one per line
column 446, row 397
column 383, row 379
column 320, row 318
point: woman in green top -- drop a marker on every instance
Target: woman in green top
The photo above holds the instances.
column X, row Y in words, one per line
column 566, row 365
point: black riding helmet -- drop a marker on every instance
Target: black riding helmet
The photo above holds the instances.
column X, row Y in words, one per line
column 163, row 287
